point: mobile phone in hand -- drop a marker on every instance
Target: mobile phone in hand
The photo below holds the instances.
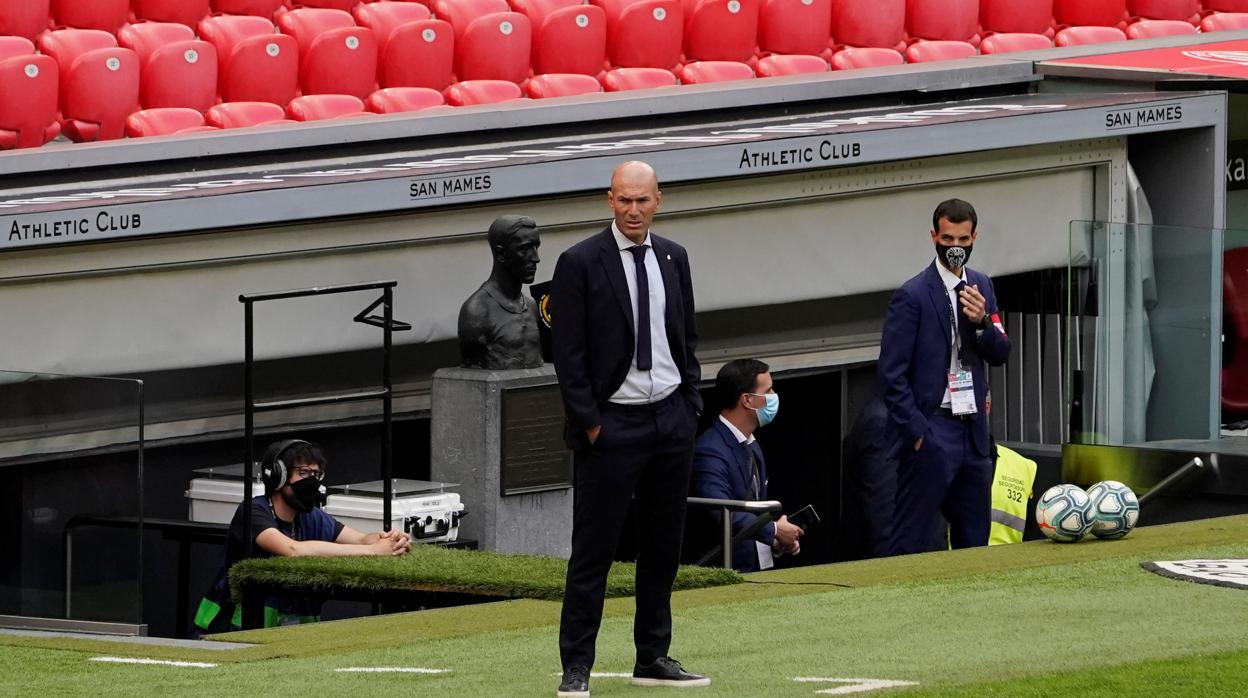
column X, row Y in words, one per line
column 805, row 517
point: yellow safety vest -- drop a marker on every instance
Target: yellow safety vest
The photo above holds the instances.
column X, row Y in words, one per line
column 1011, row 490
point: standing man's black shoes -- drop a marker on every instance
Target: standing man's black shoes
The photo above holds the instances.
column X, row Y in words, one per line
column 575, row 683
column 666, row 671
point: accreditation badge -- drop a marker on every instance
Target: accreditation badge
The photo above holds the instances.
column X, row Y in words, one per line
column 962, row 393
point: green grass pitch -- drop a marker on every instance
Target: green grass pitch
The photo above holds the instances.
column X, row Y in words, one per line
column 1036, row 619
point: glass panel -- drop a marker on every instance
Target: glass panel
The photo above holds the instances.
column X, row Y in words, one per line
column 72, row 547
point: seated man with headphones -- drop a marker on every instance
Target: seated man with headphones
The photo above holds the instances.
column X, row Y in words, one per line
column 287, row 521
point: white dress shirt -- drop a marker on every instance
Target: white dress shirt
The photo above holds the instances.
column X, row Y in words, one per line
column 951, row 283
column 766, row 556
column 643, row 387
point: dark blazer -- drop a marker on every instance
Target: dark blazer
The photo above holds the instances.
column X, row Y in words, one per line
column 914, row 356
column 721, row 469
column 592, row 326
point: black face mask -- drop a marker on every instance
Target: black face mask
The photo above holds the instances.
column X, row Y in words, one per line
column 953, row 256
column 303, row 495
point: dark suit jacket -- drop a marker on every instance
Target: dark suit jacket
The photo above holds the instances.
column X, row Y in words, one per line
column 592, row 326
column 914, row 356
column 721, row 469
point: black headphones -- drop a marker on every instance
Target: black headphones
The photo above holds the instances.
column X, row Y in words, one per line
column 273, row 470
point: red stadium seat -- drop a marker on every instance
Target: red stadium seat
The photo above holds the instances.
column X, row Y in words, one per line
column 1016, row 16
column 1153, row 28
column 869, row 23
column 790, row 64
column 472, row 92
column 721, row 30
column 942, row 20
column 28, row 95
column 1164, row 9
column 253, row 63
column 643, row 33
column 99, row 83
column 852, row 58
column 393, row 100
column 561, row 85
column 342, row 5
column 1224, row 22
column 700, row 72
column 1224, row 5
column 794, row 26
column 335, row 55
column 568, row 36
column 106, row 15
column 165, row 122
column 25, row 18
column 462, row 13
column 384, row 17
column 624, row 79
column 245, row 114
column 1010, row 43
column 932, row 51
column 418, row 54
column 256, row 8
column 187, row 12
column 495, row 47
column 176, row 70
column 1079, row 36
column 1091, row 13
column 321, row 107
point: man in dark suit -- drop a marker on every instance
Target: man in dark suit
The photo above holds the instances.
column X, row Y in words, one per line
column 728, row 462
column 623, row 340
column 941, row 330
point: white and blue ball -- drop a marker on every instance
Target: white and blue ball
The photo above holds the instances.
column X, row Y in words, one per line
column 1064, row 513
column 1115, row 509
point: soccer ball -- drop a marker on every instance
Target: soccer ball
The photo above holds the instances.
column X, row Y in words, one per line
column 1064, row 513
column 1115, row 510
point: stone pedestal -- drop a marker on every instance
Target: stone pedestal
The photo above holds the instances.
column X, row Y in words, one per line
column 499, row 435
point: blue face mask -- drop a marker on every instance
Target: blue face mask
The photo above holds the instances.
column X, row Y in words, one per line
column 768, row 411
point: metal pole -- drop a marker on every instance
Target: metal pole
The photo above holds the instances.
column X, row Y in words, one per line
column 727, row 538
column 1170, row 480
column 248, row 425
column 139, row 581
column 387, row 471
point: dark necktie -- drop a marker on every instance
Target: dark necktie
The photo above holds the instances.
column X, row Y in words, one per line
column 962, row 325
column 643, row 307
column 756, row 491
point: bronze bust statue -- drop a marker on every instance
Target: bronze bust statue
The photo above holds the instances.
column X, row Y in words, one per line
column 498, row 323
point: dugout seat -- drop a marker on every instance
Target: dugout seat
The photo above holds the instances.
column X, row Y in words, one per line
column 255, row 8
column 789, row 64
column 932, row 51
column 473, row 92
column 1153, row 28
column 550, row 85
column 253, row 63
column 794, row 26
column 335, row 55
column 1089, row 13
column 643, row 33
column 394, row 100
column 568, row 36
column 720, row 30
column 1224, row 22
column 188, row 12
column 1080, row 36
column 1012, row 42
column 625, row 79
column 99, row 82
column 28, row 95
column 175, row 69
column 1164, row 9
column 105, row 15
column 414, row 50
column 869, row 23
column 245, row 114
column 943, row 20
column 491, row 41
column 25, row 18
column 700, row 72
column 1235, row 331
column 851, row 58
column 165, row 122
column 1016, row 16
column 322, row 107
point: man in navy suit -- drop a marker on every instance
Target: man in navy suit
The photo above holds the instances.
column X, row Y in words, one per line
column 941, row 331
column 728, row 462
column 623, row 339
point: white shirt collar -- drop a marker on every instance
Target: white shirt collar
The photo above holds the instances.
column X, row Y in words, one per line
column 741, row 438
column 947, row 276
column 623, row 242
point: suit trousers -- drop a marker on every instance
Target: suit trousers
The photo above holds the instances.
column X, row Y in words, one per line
column 643, row 452
column 946, row 475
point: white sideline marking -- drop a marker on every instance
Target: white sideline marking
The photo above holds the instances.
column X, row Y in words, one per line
column 160, row 662
column 854, row 685
column 391, row 670
column 604, row 674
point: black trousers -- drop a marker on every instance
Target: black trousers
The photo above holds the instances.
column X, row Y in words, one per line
column 644, row 452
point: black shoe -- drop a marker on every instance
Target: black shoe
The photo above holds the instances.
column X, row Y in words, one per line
column 575, row 683
column 666, row 671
